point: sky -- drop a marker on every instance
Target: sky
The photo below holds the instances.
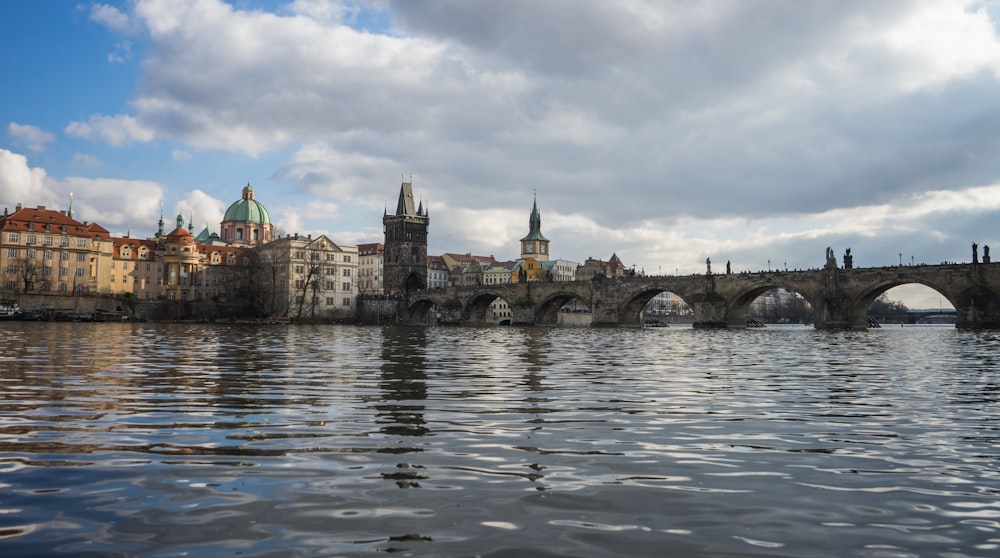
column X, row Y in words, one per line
column 666, row 132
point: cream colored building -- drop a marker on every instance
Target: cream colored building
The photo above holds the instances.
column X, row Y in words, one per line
column 370, row 257
column 44, row 251
column 307, row 278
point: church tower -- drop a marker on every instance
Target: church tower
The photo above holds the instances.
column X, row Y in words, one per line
column 404, row 265
column 535, row 245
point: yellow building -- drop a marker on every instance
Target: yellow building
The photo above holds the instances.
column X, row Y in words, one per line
column 43, row 251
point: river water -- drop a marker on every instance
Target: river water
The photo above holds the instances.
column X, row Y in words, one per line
column 237, row 440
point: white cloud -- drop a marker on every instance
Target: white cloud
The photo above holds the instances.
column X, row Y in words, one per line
column 121, row 53
column 115, row 204
column 87, row 160
column 111, row 17
column 22, row 184
column 31, row 137
column 206, row 211
column 180, row 155
column 116, row 130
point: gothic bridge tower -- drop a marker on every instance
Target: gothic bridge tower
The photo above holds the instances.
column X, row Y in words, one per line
column 404, row 265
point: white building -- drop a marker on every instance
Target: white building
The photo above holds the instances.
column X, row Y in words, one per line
column 308, row 278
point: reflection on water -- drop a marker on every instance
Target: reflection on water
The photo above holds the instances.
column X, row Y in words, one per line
column 162, row 439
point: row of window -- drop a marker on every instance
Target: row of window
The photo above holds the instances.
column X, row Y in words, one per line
column 46, row 286
column 330, row 285
column 46, row 254
column 330, row 301
column 46, row 240
column 14, row 269
column 329, row 256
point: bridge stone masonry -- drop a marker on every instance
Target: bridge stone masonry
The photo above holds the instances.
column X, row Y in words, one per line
column 840, row 297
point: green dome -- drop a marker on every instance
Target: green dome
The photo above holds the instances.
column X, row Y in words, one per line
column 247, row 209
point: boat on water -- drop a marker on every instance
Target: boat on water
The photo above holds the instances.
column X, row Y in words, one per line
column 9, row 310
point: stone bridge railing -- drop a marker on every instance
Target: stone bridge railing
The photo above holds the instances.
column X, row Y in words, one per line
column 840, row 297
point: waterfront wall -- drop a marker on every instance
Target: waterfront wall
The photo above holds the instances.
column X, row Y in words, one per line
column 377, row 310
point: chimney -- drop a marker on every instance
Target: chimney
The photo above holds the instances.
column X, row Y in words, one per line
column 18, row 207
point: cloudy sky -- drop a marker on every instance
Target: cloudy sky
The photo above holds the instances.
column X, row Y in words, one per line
column 666, row 132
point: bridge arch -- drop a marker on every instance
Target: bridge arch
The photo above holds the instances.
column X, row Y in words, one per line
column 633, row 305
column 864, row 300
column 548, row 310
column 422, row 311
column 739, row 305
column 477, row 309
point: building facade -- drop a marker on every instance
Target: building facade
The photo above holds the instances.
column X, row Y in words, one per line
column 370, row 275
column 302, row 277
column 44, row 251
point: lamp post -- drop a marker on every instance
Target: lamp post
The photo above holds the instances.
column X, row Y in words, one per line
column 900, row 259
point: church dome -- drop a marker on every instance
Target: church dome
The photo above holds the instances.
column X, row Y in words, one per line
column 247, row 209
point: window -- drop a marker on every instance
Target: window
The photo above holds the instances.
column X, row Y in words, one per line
column 11, row 285
column 29, row 239
column 347, row 287
column 46, row 272
column 13, row 237
column 79, row 272
column 347, row 301
column 64, row 241
column 11, row 268
column 330, row 301
column 46, row 241
column 64, row 256
column 81, row 257
column 12, row 252
column 347, row 273
column 239, row 233
column 81, row 243
column 63, row 272
column 347, row 258
column 62, row 287
column 31, row 254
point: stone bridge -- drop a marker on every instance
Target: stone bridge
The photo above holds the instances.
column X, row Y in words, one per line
column 839, row 297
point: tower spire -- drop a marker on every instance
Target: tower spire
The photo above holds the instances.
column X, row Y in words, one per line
column 69, row 213
column 161, row 232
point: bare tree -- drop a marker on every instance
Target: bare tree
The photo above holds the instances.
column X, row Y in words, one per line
column 24, row 273
column 311, row 283
column 270, row 267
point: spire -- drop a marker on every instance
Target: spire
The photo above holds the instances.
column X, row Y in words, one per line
column 69, row 213
column 405, row 204
column 161, row 232
column 535, row 224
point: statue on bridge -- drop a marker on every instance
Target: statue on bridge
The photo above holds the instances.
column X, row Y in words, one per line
column 986, row 253
column 975, row 253
column 831, row 259
column 708, row 265
column 848, row 260
column 729, row 269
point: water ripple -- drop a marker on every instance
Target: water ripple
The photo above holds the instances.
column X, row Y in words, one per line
column 212, row 440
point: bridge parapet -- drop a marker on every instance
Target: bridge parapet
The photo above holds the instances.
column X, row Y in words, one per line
column 839, row 297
